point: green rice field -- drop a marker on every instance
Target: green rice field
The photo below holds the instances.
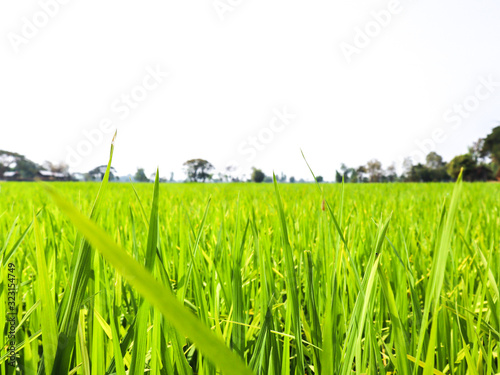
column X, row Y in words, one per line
column 246, row 278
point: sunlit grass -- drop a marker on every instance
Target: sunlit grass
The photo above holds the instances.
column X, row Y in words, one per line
column 208, row 278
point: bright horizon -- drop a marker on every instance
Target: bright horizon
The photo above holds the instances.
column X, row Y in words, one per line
column 249, row 84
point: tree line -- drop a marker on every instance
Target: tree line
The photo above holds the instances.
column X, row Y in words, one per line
column 480, row 163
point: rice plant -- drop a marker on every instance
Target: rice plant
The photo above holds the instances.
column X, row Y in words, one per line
column 156, row 278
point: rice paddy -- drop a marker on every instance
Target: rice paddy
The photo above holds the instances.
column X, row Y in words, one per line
column 250, row 278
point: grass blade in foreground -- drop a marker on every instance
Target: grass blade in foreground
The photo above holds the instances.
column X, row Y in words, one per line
column 291, row 281
column 436, row 278
column 49, row 324
column 140, row 338
column 69, row 310
column 157, row 294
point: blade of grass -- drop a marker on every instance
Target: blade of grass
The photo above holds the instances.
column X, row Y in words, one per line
column 48, row 312
column 291, row 282
column 140, row 339
column 69, row 309
column 436, row 278
column 157, row 294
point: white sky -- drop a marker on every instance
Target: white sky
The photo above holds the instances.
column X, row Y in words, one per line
column 228, row 77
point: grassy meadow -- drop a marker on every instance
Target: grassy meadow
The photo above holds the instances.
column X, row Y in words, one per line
column 250, row 278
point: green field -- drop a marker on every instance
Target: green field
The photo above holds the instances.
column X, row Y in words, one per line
column 383, row 278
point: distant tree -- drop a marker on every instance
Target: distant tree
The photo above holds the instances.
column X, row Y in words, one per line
column 61, row 168
column 482, row 173
column 435, row 168
column 171, row 179
column 140, row 176
column 338, row 177
column 197, row 170
column 56, row 167
column 491, row 148
column 268, row 179
column 473, row 171
column 347, row 172
column 391, row 175
column 281, row 178
column 319, row 178
column 420, row 173
column 257, row 175
column 491, row 145
column 292, row 180
column 374, row 168
column 360, row 173
column 26, row 168
column 7, row 160
column 476, row 150
column 230, row 173
column 407, row 166
column 433, row 160
column 466, row 162
column 97, row 173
